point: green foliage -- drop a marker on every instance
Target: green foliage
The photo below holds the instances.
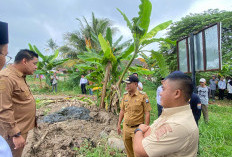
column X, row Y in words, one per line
column 129, row 25
column 48, row 63
column 140, row 70
column 88, row 149
column 139, row 31
column 144, row 14
column 156, row 29
column 161, row 63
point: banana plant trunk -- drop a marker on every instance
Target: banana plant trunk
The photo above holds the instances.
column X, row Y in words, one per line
column 106, row 79
column 114, row 102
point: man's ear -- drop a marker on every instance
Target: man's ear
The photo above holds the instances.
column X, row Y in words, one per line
column 178, row 93
column 24, row 61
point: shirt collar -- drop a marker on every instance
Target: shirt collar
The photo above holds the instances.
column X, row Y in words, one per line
column 16, row 71
column 173, row 110
column 136, row 93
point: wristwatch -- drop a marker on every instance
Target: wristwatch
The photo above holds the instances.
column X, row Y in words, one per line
column 17, row 135
column 138, row 130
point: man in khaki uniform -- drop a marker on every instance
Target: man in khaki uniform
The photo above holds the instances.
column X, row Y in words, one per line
column 135, row 109
column 17, row 105
column 175, row 132
column 4, row 58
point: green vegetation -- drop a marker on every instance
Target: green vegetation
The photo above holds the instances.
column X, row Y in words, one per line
column 88, row 149
column 216, row 137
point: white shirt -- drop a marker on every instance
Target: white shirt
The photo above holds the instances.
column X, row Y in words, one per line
column 83, row 81
column 4, row 148
column 222, row 84
column 158, row 97
column 229, row 87
column 141, row 85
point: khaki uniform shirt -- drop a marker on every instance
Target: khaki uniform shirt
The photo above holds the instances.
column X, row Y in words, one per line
column 173, row 134
column 17, row 104
column 134, row 107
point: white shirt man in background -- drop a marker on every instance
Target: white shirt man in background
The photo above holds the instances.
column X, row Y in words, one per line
column 83, row 82
column 140, row 85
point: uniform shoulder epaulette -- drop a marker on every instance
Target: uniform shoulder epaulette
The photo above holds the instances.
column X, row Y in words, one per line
column 142, row 92
column 4, row 73
column 125, row 93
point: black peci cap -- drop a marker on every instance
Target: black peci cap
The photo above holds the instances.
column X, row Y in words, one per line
column 131, row 78
column 3, row 33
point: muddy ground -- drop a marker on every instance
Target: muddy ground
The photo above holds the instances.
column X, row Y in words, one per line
column 61, row 138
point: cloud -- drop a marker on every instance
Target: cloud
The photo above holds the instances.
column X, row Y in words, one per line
column 38, row 21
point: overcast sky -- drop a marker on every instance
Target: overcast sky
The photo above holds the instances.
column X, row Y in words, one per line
column 36, row 21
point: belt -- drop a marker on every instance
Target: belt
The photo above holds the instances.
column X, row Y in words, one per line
column 132, row 126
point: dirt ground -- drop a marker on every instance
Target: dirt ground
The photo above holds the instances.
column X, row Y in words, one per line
column 59, row 139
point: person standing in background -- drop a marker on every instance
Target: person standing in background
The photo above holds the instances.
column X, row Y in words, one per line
column 203, row 93
column 90, row 88
column 140, row 85
column 158, row 97
column 221, row 87
column 213, row 86
column 83, row 82
column 195, row 104
column 229, row 88
column 54, row 82
column 4, row 58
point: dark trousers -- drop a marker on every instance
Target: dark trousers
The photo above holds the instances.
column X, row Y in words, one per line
column 230, row 96
column 213, row 94
column 54, row 87
column 83, row 89
column 221, row 94
column 160, row 108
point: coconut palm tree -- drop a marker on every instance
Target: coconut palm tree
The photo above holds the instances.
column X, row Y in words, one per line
column 88, row 33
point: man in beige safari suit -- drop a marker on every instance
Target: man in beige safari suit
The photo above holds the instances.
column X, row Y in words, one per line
column 175, row 132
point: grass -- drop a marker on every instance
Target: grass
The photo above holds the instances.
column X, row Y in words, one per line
column 215, row 137
column 87, row 149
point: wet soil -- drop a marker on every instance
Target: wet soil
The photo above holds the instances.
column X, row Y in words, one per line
column 60, row 138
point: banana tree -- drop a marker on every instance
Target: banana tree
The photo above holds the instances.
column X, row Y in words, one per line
column 48, row 62
column 105, row 65
column 141, row 36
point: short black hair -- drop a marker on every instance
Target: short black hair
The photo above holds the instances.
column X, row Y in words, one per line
column 25, row 53
column 185, row 83
column 131, row 78
column 136, row 74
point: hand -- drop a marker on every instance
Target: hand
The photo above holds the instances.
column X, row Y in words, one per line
column 119, row 129
column 144, row 127
column 19, row 142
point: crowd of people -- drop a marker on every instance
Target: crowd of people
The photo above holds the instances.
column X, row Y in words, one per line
column 174, row 133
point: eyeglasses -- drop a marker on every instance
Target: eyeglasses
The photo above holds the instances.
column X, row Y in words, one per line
column 8, row 58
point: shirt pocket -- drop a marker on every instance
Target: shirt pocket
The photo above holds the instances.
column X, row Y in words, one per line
column 137, row 106
column 22, row 93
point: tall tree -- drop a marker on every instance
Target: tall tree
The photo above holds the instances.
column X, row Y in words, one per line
column 88, row 32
